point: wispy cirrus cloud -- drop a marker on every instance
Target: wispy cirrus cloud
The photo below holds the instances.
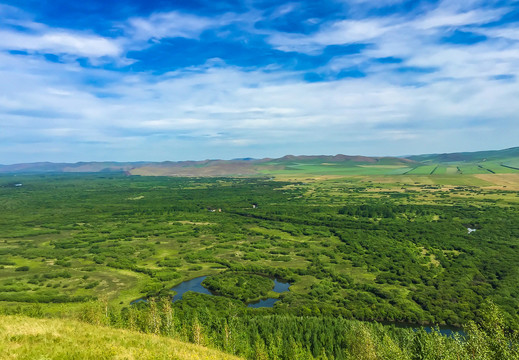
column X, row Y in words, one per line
column 336, row 33
column 168, row 25
column 372, row 29
column 446, row 16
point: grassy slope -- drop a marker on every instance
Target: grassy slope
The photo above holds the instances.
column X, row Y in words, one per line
column 27, row 338
column 475, row 156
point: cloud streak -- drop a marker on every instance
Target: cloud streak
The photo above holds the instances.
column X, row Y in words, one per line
column 60, row 43
column 168, row 25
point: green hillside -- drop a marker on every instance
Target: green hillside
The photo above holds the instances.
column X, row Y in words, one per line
column 24, row 338
column 476, row 156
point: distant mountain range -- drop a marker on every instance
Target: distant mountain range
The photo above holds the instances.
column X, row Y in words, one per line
column 506, row 160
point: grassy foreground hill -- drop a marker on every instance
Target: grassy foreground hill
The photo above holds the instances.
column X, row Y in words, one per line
column 28, row 338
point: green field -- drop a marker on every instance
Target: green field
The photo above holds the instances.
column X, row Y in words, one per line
column 446, row 170
column 305, row 169
column 498, row 168
column 514, row 163
column 337, row 169
column 422, row 170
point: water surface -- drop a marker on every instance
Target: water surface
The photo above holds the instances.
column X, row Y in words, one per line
column 195, row 285
column 269, row 302
column 279, row 287
column 190, row 285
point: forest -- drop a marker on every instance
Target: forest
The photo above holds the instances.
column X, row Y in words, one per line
column 369, row 260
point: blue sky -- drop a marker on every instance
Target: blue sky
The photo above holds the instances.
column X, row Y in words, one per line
column 196, row 79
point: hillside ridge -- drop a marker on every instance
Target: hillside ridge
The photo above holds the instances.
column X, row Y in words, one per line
column 508, row 158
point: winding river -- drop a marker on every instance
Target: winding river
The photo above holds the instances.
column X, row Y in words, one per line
column 195, row 285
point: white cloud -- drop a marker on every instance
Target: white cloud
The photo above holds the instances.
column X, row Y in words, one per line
column 168, row 25
column 60, row 42
column 336, row 33
column 509, row 33
column 208, row 111
column 375, row 4
column 448, row 18
column 27, row 35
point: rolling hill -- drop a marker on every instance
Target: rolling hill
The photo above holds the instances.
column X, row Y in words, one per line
column 480, row 162
column 477, row 156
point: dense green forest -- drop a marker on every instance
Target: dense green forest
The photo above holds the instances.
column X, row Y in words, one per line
column 398, row 250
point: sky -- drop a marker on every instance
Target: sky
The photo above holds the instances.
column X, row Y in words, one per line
column 156, row 80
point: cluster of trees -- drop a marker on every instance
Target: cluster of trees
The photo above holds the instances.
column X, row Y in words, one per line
column 241, row 286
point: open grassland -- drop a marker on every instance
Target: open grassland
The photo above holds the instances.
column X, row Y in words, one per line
column 301, row 170
column 422, row 170
column 513, row 163
column 446, row 170
column 503, row 181
column 23, row 338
